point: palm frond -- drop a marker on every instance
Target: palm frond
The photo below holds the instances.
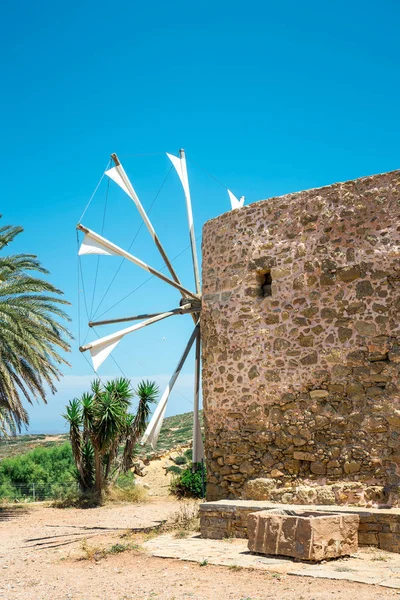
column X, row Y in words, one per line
column 31, row 332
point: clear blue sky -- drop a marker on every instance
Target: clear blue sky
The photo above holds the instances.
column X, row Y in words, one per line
column 268, row 97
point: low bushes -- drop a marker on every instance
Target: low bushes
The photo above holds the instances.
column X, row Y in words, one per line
column 50, row 474
column 37, row 475
column 174, row 469
column 180, row 460
column 190, row 483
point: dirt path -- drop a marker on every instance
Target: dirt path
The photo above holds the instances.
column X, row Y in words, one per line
column 37, row 527
column 156, row 477
column 43, row 556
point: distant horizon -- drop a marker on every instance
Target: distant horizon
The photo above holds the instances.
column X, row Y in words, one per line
column 38, row 433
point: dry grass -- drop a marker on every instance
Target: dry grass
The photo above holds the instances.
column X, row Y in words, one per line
column 115, row 495
column 235, row 567
column 380, row 558
column 181, row 534
column 186, row 520
column 91, row 552
column 75, row 499
column 135, row 494
column 96, row 553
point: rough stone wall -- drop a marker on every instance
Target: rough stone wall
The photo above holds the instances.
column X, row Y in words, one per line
column 303, row 384
column 227, row 519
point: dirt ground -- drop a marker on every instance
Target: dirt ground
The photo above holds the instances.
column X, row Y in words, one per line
column 63, row 554
column 157, row 478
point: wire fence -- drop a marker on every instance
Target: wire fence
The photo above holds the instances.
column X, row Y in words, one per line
column 37, row 492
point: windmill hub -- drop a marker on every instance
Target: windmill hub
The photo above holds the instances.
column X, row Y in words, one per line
column 191, row 304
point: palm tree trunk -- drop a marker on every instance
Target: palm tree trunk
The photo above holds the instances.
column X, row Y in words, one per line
column 76, row 453
column 98, row 472
column 112, row 455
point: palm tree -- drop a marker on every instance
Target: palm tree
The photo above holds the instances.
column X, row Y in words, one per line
column 31, row 334
column 100, row 424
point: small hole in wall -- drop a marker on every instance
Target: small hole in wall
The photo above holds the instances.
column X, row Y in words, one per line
column 266, row 284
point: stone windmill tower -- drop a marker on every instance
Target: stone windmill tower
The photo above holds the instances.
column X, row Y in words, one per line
column 301, row 339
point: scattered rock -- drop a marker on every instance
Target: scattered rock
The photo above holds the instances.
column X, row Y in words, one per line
column 258, row 489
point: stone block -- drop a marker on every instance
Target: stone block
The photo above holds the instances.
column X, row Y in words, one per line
column 259, row 488
column 318, row 394
column 389, row 541
column 307, row 456
column 368, row 538
column 303, row 535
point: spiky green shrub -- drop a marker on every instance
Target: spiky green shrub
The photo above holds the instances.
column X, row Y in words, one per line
column 104, row 434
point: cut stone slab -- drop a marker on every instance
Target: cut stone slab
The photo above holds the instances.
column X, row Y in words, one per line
column 368, row 565
column 302, row 535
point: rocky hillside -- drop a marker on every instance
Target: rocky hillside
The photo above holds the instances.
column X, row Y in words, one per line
column 176, row 431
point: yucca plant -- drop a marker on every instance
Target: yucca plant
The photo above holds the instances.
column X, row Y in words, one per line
column 147, row 392
column 100, row 425
column 31, row 334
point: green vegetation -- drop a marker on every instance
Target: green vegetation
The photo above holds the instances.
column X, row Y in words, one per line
column 21, row 444
column 50, row 473
column 189, row 454
column 189, row 483
column 174, row 469
column 43, row 450
column 171, row 431
column 204, row 563
column 180, row 460
column 42, row 473
column 118, row 548
column 31, row 334
column 100, row 425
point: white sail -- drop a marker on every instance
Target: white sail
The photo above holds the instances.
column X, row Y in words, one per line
column 115, row 176
column 104, row 246
column 101, row 348
column 100, row 353
column 156, row 422
column 118, row 175
column 235, row 203
column 182, row 173
column 91, row 246
column 181, row 169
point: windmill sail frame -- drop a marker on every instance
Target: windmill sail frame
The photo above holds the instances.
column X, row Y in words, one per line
column 93, row 243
